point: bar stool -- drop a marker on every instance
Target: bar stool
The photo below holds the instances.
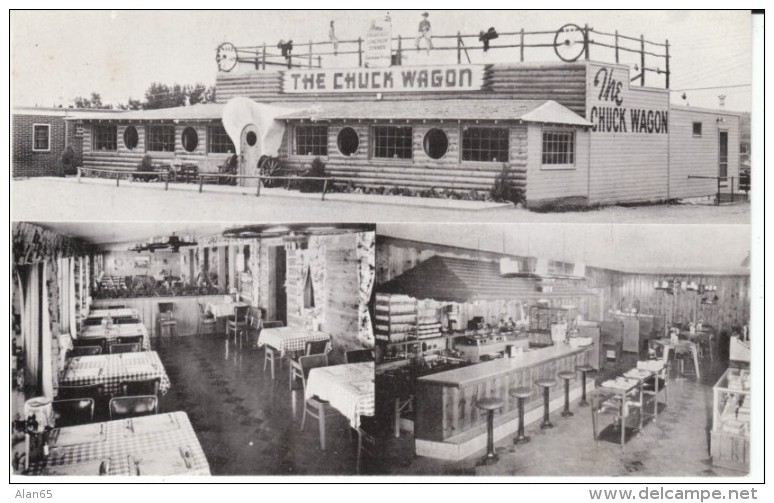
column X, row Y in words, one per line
column 521, row 394
column 490, row 405
column 566, row 376
column 584, row 369
column 546, row 384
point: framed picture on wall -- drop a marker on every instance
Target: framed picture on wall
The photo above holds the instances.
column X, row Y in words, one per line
column 142, row 262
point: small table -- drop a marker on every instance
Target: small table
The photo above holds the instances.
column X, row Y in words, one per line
column 160, row 445
column 122, row 312
column 684, row 345
column 223, row 309
column 290, row 339
column 348, row 388
column 112, row 370
column 112, row 334
column 618, row 393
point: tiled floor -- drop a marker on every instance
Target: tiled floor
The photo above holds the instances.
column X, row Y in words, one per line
column 676, row 445
column 247, row 423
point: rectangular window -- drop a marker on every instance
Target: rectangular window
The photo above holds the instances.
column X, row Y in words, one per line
column 697, row 129
column 161, row 138
column 105, row 137
column 558, row 147
column 311, row 140
column 559, row 268
column 41, row 137
column 485, row 144
column 218, row 141
column 392, row 142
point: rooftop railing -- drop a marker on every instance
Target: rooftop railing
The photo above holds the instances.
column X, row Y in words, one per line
column 569, row 43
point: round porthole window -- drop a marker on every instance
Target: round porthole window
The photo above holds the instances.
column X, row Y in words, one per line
column 347, row 141
column 190, row 139
column 251, row 138
column 436, row 143
column 131, row 138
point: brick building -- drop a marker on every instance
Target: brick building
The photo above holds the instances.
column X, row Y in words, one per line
column 40, row 135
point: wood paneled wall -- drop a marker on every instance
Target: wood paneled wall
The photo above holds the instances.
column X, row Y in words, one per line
column 626, row 290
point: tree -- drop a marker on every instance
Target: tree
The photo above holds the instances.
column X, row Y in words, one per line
column 161, row 95
column 95, row 101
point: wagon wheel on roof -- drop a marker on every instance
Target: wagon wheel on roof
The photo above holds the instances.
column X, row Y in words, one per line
column 570, row 42
column 270, row 166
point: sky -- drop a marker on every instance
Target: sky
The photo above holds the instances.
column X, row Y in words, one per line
column 59, row 55
column 667, row 249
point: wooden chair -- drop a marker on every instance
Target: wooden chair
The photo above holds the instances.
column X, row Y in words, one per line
column 207, row 322
column 73, row 411
column 95, row 392
column 84, row 351
column 130, row 339
column 271, row 355
column 91, row 341
column 133, row 406
column 320, row 410
column 126, row 320
column 358, row 356
column 144, row 387
column 316, row 348
column 237, row 323
column 165, row 321
column 299, row 369
column 124, row 348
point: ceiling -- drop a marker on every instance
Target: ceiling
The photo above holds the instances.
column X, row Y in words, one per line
column 705, row 249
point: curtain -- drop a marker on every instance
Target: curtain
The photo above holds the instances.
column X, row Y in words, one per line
column 30, row 278
column 366, row 244
column 46, row 361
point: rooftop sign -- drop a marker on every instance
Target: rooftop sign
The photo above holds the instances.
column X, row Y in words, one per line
column 384, row 80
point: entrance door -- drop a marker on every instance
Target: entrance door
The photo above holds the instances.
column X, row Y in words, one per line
column 277, row 308
column 250, row 155
column 723, row 154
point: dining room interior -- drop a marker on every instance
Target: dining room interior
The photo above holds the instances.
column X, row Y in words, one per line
column 560, row 350
column 161, row 349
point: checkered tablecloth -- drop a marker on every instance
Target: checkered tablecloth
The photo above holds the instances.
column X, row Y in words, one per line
column 124, row 312
column 349, row 389
column 112, row 370
column 285, row 339
column 223, row 309
column 159, row 445
column 98, row 331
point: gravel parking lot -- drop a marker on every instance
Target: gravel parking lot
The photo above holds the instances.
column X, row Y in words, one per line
column 101, row 200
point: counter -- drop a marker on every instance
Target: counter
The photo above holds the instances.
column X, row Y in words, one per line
column 445, row 402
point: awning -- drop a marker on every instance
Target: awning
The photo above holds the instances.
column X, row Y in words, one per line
column 544, row 111
column 448, row 279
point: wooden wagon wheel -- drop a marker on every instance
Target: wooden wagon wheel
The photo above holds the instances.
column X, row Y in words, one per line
column 270, row 166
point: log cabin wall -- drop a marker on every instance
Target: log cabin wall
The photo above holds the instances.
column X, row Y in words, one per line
column 626, row 290
column 332, row 262
column 421, row 172
column 126, row 159
column 564, row 83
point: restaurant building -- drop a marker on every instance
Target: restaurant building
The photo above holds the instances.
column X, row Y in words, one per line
column 209, row 324
column 582, row 131
column 463, row 333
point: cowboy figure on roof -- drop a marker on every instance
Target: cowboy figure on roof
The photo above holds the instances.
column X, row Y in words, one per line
column 424, row 32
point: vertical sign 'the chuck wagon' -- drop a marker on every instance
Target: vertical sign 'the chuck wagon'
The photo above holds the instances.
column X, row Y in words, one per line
column 384, row 80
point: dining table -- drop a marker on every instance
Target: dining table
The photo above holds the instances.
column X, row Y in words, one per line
column 114, row 369
column 111, row 334
column 349, row 388
column 155, row 445
column 223, row 309
column 121, row 312
column 290, row 339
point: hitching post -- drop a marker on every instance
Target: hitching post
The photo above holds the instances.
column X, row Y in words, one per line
column 79, row 174
column 166, row 180
column 325, row 189
column 258, row 187
column 201, row 182
column 118, row 178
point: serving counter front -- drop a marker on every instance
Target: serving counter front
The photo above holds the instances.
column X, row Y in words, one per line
column 186, row 311
column 449, row 426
